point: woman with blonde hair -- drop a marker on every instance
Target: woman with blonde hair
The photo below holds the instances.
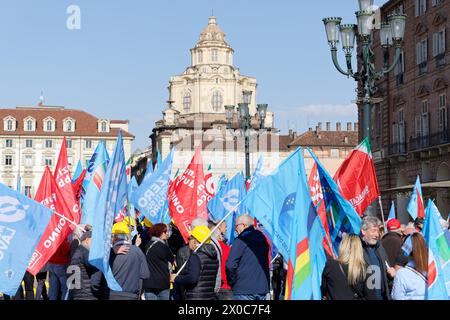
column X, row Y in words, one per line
column 345, row 277
column 410, row 282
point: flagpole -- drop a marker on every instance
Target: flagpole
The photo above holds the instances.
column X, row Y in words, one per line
column 70, row 221
column 382, row 213
column 211, row 232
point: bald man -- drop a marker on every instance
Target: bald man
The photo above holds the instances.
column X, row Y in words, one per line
column 247, row 267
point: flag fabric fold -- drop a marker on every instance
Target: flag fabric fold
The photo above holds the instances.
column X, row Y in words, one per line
column 151, row 196
column 438, row 240
column 112, row 199
column 226, row 200
column 416, row 208
column 356, row 178
column 22, row 224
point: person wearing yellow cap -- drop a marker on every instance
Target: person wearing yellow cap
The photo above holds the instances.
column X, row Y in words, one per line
column 198, row 278
column 127, row 263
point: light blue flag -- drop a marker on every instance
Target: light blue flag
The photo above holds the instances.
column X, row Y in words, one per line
column 113, row 198
column 77, row 172
column 158, row 158
column 226, row 200
column 438, row 241
column 391, row 212
column 416, row 206
column 101, row 153
column 258, row 174
column 151, row 196
column 22, row 224
column 19, row 184
column 307, row 256
column 345, row 219
column 132, row 187
column 97, row 170
column 148, row 171
column 272, row 201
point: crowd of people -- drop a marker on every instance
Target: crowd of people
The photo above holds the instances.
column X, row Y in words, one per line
column 154, row 263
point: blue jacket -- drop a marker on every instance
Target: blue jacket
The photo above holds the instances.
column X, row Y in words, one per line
column 247, row 267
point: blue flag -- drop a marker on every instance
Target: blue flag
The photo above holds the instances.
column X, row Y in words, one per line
column 258, row 174
column 158, row 158
column 416, row 206
column 226, row 200
column 113, row 197
column 391, row 212
column 438, row 241
column 344, row 218
column 101, row 153
column 148, row 171
column 77, row 172
column 272, row 201
column 307, row 258
column 97, row 170
column 22, row 223
column 151, row 196
column 19, row 184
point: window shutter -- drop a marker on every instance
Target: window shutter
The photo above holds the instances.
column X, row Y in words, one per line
column 425, row 56
column 435, row 44
column 395, row 133
column 425, row 124
column 416, row 8
column 418, row 51
column 418, row 126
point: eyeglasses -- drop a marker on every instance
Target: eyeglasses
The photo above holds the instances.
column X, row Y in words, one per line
column 236, row 226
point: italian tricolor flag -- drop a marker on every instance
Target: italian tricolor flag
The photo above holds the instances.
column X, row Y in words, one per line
column 356, row 178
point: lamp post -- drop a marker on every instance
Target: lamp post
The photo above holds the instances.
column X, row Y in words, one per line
column 391, row 34
column 244, row 120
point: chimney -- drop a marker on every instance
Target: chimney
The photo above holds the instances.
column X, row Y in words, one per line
column 290, row 133
column 338, row 126
column 319, row 126
column 310, row 129
column 355, row 126
column 328, row 126
column 349, row 126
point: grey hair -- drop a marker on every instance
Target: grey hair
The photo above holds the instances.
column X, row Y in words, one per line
column 369, row 222
column 247, row 219
column 199, row 222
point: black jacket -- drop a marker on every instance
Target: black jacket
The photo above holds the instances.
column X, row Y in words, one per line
column 247, row 267
column 382, row 259
column 158, row 257
column 335, row 284
column 199, row 276
column 91, row 281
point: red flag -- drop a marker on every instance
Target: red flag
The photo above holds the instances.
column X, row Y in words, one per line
column 188, row 199
column 315, row 188
column 209, row 184
column 356, row 178
column 64, row 182
column 52, row 245
column 78, row 186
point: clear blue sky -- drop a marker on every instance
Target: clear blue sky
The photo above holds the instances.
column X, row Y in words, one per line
column 119, row 64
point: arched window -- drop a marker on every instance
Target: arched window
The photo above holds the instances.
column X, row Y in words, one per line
column 9, row 125
column 187, row 102
column 29, row 125
column 200, row 56
column 217, row 101
column 103, row 126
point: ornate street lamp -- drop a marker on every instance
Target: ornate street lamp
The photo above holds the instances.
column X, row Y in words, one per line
column 262, row 112
column 244, row 119
column 391, row 34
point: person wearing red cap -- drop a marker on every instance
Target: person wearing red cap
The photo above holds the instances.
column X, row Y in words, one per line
column 392, row 241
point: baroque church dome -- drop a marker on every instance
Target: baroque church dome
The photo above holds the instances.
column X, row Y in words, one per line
column 212, row 34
